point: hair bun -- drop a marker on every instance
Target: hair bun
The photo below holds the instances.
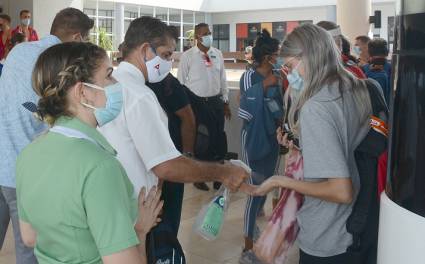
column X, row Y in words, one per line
column 264, row 45
column 265, row 33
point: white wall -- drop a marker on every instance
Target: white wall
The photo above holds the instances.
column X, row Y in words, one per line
column 387, row 10
column 293, row 14
column 316, row 14
column 13, row 7
column 255, row 5
column 194, row 5
column 213, row 6
column 44, row 11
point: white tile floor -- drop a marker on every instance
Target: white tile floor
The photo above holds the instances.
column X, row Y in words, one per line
column 225, row 250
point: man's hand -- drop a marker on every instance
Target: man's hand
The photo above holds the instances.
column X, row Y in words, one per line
column 227, row 112
column 235, row 177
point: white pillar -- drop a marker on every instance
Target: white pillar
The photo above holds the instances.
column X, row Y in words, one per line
column 119, row 24
column 181, row 31
column 401, row 234
column 12, row 8
column 232, row 36
column 44, row 11
column 331, row 13
column 353, row 17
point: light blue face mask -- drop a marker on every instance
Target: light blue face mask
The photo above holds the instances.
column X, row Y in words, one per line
column 357, row 50
column 295, row 80
column 279, row 63
column 207, row 41
column 114, row 103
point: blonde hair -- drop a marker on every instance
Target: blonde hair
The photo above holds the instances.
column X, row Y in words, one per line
column 323, row 66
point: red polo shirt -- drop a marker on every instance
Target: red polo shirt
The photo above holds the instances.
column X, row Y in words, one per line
column 32, row 33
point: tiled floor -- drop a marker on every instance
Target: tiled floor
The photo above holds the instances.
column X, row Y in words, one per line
column 225, row 250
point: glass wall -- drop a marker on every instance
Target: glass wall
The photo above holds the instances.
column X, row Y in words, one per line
column 131, row 12
column 105, row 15
column 221, row 37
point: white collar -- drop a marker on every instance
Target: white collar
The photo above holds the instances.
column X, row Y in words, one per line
column 196, row 49
column 130, row 70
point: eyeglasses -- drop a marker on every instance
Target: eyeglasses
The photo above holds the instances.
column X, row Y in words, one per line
column 287, row 66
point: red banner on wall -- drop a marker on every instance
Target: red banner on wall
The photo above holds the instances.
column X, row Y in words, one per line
column 241, row 31
column 290, row 25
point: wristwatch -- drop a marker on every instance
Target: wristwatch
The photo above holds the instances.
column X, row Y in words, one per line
column 188, row 154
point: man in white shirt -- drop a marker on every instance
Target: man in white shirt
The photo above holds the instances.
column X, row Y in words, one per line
column 140, row 132
column 202, row 70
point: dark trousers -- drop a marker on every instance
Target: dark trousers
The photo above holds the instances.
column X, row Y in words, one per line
column 172, row 195
column 216, row 106
column 344, row 258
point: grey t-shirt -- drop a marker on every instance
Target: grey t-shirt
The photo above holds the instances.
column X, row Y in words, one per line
column 330, row 132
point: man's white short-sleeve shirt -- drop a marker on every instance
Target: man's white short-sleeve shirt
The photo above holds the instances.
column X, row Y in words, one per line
column 140, row 133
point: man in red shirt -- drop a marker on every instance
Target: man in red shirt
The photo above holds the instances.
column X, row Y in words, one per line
column 335, row 31
column 24, row 27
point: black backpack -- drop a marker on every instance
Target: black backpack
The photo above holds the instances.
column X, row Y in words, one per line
column 164, row 248
column 364, row 219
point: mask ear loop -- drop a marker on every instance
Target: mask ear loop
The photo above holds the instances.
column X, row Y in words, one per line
column 91, row 86
column 153, row 50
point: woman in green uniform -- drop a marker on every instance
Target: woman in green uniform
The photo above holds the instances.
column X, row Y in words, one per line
column 75, row 202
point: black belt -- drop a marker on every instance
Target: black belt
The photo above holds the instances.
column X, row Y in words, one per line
column 211, row 98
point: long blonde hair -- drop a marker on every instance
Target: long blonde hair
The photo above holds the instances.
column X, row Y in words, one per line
column 323, row 66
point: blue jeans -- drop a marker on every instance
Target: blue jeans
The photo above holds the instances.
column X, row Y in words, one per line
column 9, row 211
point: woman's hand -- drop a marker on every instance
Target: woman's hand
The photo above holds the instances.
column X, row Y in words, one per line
column 270, row 184
column 282, row 139
column 149, row 209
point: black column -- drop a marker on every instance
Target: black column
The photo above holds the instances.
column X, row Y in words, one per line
column 406, row 185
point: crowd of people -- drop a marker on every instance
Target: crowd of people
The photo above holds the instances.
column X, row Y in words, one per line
column 93, row 159
column 12, row 36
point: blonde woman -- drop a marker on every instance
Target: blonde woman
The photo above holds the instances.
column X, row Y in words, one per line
column 330, row 117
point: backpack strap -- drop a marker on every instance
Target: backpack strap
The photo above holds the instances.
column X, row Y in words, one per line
column 379, row 107
column 376, row 97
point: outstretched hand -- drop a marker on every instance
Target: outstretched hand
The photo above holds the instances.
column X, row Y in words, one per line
column 267, row 186
column 248, row 188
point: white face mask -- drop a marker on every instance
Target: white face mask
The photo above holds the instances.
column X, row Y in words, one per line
column 158, row 68
column 207, row 41
column 26, row 22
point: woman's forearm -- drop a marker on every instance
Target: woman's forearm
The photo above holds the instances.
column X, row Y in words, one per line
column 142, row 246
column 336, row 190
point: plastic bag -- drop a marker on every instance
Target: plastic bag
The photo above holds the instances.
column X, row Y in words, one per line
column 282, row 228
column 210, row 219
